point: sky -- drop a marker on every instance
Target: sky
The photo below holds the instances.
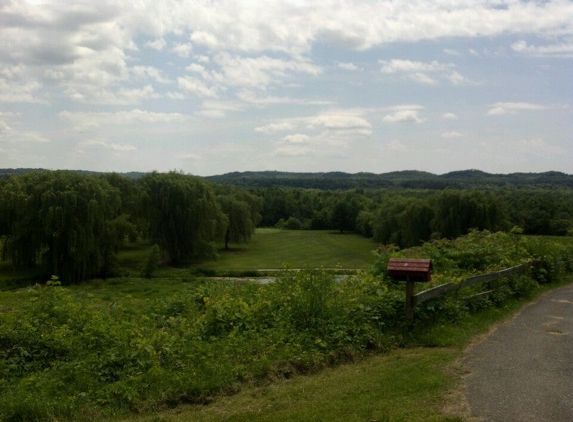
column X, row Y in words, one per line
column 210, row 87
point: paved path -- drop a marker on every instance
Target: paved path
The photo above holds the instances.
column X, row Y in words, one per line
column 524, row 370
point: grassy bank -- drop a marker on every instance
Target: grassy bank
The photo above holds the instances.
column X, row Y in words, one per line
column 377, row 388
column 422, row 382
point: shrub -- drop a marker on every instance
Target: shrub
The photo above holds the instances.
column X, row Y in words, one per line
column 152, row 262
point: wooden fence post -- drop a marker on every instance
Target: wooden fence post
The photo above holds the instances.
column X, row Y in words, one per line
column 410, row 288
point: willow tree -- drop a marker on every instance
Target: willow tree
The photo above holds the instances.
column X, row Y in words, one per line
column 62, row 220
column 456, row 212
column 183, row 215
column 242, row 210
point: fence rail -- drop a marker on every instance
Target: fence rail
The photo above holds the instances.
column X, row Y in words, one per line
column 413, row 300
column 478, row 279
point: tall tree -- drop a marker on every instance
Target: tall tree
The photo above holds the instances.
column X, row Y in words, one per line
column 344, row 213
column 243, row 212
column 240, row 226
column 184, row 217
column 63, row 220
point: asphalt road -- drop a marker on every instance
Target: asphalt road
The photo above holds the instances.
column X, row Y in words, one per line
column 523, row 371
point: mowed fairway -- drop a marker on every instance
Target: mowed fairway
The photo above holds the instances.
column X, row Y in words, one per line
column 275, row 249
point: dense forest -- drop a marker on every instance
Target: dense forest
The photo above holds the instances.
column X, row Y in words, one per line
column 409, row 179
column 72, row 224
column 465, row 179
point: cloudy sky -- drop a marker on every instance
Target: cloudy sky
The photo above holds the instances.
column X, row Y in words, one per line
column 209, row 86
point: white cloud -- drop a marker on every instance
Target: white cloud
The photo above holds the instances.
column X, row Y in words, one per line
column 408, row 66
column 58, row 31
column 4, row 128
column 212, row 114
column 11, row 132
column 403, row 116
column 22, row 137
column 149, row 72
column 201, row 58
column 191, row 156
column 260, row 72
column 450, row 116
column 452, row 134
column 339, row 121
column 88, row 121
column 20, row 91
column 347, row 66
column 197, row 87
column 457, row 79
column 219, row 109
column 299, row 138
column 422, row 78
column 396, row 146
column 512, row 108
column 275, row 127
column 246, row 77
column 564, row 49
column 293, row 26
column 182, row 50
column 335, row 121
column 157, row 44
column 199, row 69
column 293, row 151
column 418, row 71
column 328, row 134
column 261, row 99
column 401, row 107
column 206, row 39
column 93, row 94
column 451, row 52
column 107, row 145
column 258, row 99
column 175, row 95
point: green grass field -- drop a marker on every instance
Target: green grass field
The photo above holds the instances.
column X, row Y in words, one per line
column 274, row 248
column 271, row 249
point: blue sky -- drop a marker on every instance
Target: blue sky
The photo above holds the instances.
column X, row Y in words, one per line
column 210, row 87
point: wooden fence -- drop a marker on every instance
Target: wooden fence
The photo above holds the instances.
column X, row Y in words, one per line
column 491, row 278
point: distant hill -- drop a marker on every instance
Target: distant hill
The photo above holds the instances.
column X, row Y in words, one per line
column 341, row 181
column 397, row 179
column 4, row 173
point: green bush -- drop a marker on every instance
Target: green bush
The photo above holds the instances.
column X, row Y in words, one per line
column 152, row 262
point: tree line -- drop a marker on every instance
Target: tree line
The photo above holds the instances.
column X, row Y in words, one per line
column 73, row 224
column 408, row 217
column 408, row 179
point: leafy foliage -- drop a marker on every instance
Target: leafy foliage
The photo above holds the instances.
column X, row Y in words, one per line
column 243, row 215
column 152, row 262
column 69, row 358
column 183, row 215
column 71, row 223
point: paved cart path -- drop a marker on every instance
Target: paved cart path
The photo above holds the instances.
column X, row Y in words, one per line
column 524, row 370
